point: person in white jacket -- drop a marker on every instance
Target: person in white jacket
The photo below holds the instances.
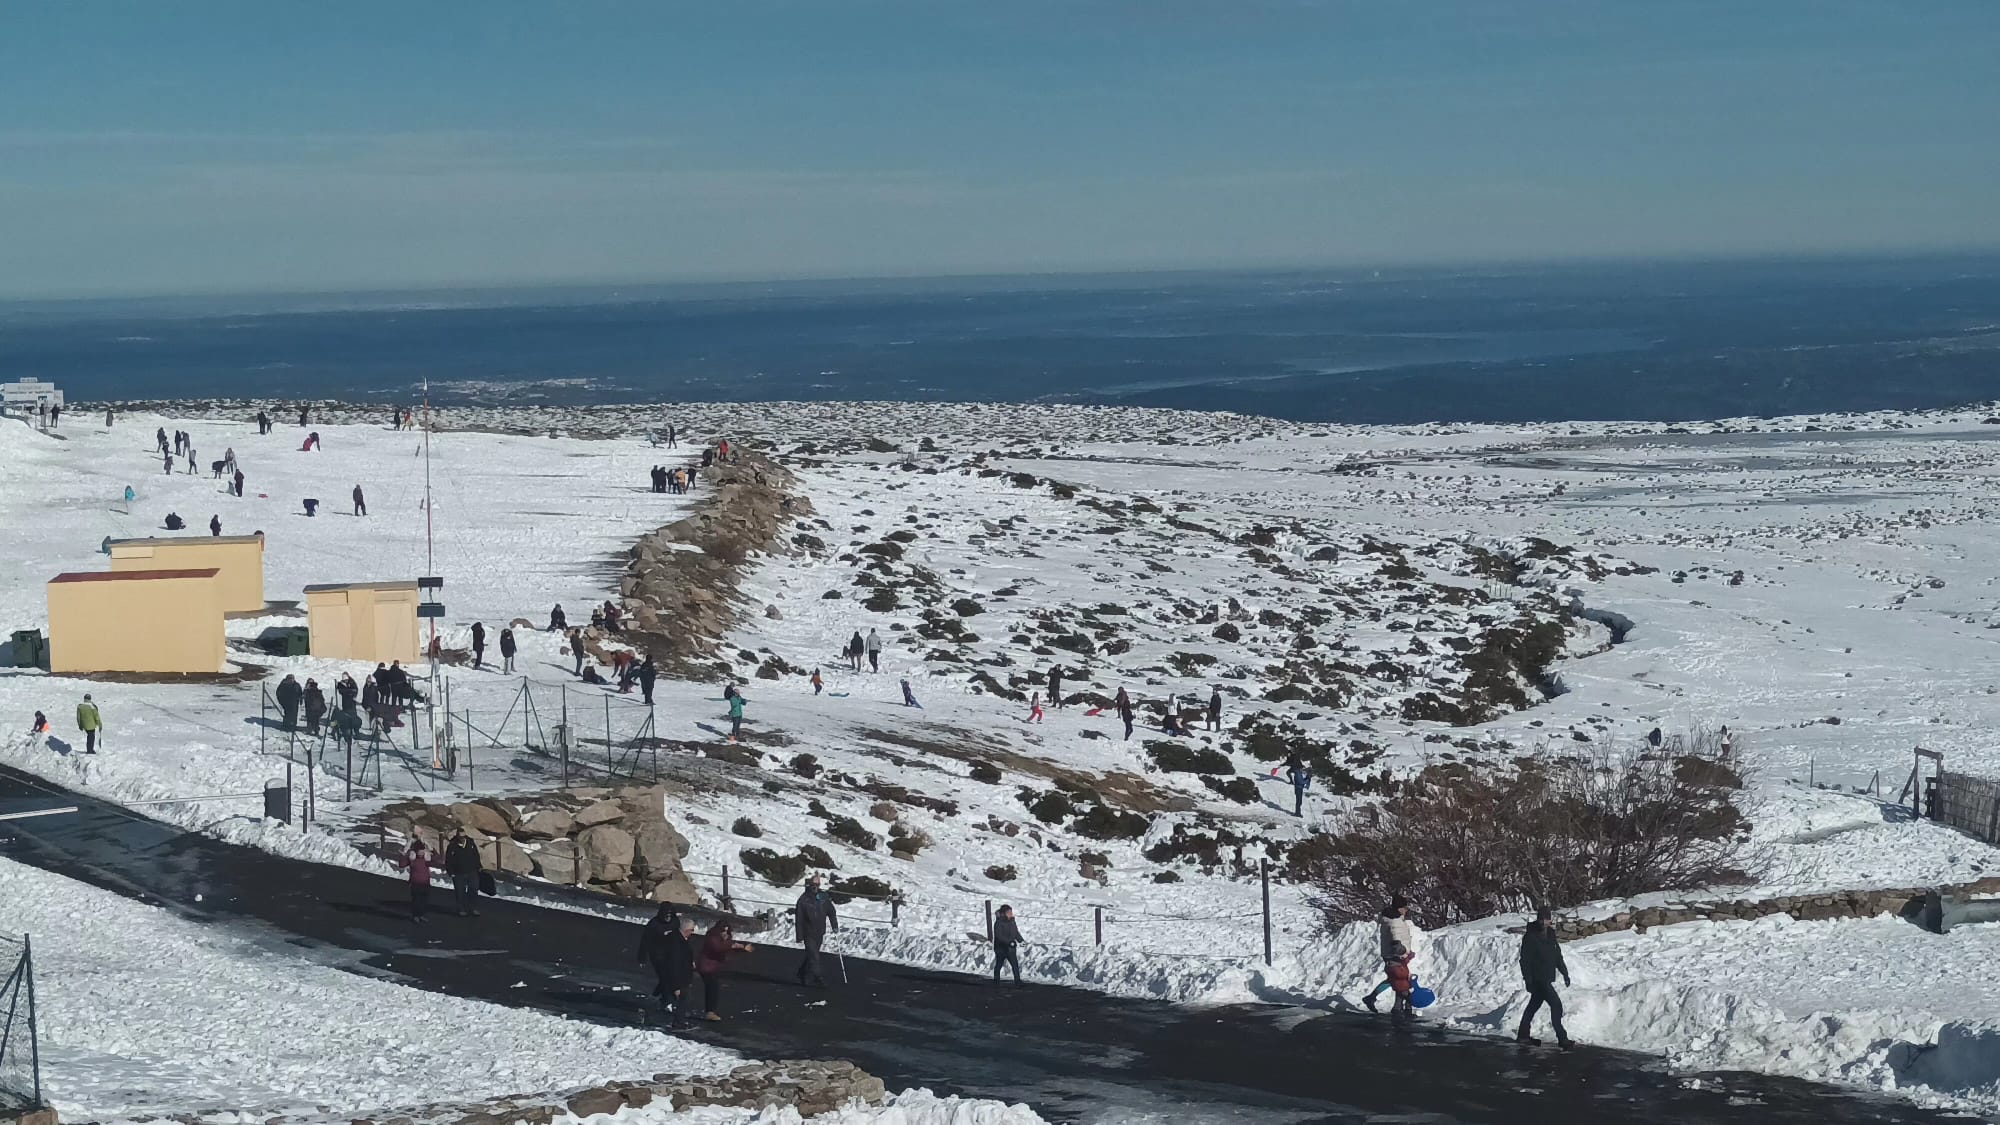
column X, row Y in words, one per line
column 1395, row 931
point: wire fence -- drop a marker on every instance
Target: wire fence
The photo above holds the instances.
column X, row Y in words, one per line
column 20, row 1058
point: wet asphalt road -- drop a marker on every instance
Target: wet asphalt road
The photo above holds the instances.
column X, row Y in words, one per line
column 1073, row 1055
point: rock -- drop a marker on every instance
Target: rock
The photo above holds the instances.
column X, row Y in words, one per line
column 503, row 854
column 677, row 889
column 596, row 1100
column 771, row 611
column 604, row 846
column 658, row 848
column 546, row 824
column 599, row 812
column 557, row 861
column 481, row 818
column 505, row 808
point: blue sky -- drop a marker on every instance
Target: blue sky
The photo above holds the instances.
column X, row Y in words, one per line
column 216, row 146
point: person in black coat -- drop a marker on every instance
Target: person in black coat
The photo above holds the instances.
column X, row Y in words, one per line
column 1055, row 686
column 665, row 947
column 461, row 862
column 1541, row 961
column 478, row 643
column 289, row 694
column 507, row 649
column 811, row 919
column 1215, row 709
column 1006, row 944
column 648, row 673
column 315, row 702
column 557, row 622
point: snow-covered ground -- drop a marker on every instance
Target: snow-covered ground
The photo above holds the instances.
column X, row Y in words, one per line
column 1360, row 561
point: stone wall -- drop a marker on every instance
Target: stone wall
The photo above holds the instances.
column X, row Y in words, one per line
column 680, row 582
column 1806, row 908
column 616, row 841
column 811, row 1088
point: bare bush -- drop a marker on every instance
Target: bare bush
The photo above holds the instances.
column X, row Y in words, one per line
column 1556, row 829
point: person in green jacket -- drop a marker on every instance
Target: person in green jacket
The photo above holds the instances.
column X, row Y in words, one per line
column 735, row 714
column 89, row 723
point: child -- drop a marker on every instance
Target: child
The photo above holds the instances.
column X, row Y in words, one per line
column 41, row 723
column 1397, row 970
column 817, row 683
column 1035, row 708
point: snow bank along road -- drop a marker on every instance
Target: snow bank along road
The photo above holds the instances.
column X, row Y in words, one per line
column 1072, row 1054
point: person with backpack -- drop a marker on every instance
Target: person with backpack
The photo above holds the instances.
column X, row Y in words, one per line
column 735, row 714
column 1541, row 962
column 812, row 919
column 1006, row 944
column 89, row 722
column 461, row 862
column 715, row 950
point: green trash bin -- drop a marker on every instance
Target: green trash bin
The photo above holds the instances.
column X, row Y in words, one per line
column 27, row 648
column 298, row 643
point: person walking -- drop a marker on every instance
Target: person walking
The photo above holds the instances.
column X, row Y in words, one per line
column 715, row 950
column 874, row 651
column 360, row 502
column 1035, row 707
column 215, row 525
column 416, row 859
column 910, row 697
column 1123, row 705
column 1393, row 930
column 508, row 647
column 89, row 722
column 315, row 706
column 665, row 947
column 236, row 483
column 576, row 648
column 817, row 683
column 478, row 644
column 1055, row 687
column 735, row 714
column 855, row 647
column 289, row 696
column 461, row 862
column 1006, row 944
column 649, row 674
column 1215, row 709
column 1300, row 777
column 812, row 919
column 1541, row 962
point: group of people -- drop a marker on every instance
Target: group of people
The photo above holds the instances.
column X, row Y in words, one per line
column 1541, row 960
column 674, row 481
column 860, row 648
column 49, row 414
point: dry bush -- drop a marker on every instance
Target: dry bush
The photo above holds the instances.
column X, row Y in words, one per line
column 1557, row 829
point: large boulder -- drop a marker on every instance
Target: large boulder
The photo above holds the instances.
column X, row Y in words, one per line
column 481, row 818
column 503, row 854
column 504, row 807
column 659, row 847
column 676, row 888
column 556, row 861
column 607, row 852
column 599, row 812
column 546, row 824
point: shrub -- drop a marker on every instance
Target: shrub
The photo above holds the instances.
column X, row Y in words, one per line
column 744, row 826
column 1173, row 757
column 848, row 830
column 1555, row 830
column 1051, row 807
column 1001, row 874
column 862, row 886
column 778, row 870
column 1242, row 790
column 815, row 856
column 806, row 766
column 986, row 772
column 1106, row 823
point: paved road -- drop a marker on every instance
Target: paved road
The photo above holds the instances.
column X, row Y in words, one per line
column 1073, row 1055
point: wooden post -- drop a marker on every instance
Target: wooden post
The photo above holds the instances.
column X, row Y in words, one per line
column 1100, row 924
column 1264, row 875
column 567, row 735
column 471, row 772
column 895, row 912
column 989, row 919
column 726, row 904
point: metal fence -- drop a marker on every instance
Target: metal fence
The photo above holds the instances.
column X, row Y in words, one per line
column 20, row 1061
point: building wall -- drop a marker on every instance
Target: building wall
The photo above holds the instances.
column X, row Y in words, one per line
column 364, row 623
column 136, row 625
column 239, row 558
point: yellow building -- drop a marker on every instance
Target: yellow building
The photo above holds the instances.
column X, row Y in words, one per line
column 239, row 559
column 136, row 621
column 364, row 621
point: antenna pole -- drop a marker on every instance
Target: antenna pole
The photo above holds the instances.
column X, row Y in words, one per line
column 430, row 562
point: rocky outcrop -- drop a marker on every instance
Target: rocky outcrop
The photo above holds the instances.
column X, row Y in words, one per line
column 810, row 1088
column 617, row 842
column 680, row 582
column 1820, row 907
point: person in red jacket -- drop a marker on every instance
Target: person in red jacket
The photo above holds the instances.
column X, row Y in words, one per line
column 416, row 859
column 715, row 950
column 1397, row 969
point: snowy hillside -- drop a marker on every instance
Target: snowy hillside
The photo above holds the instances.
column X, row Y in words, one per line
column 1372, row 599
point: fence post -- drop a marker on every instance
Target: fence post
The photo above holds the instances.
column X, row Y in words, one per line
column 305, row 823
column 895, row 912
column 529, row 702
column 34, row 1044
column 471, row 774
column 989, row 919
column 608, row 770
column 726, row 904
column 1099, row 912
column 350, row 765
column 1264, row 874
column 567, row 735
